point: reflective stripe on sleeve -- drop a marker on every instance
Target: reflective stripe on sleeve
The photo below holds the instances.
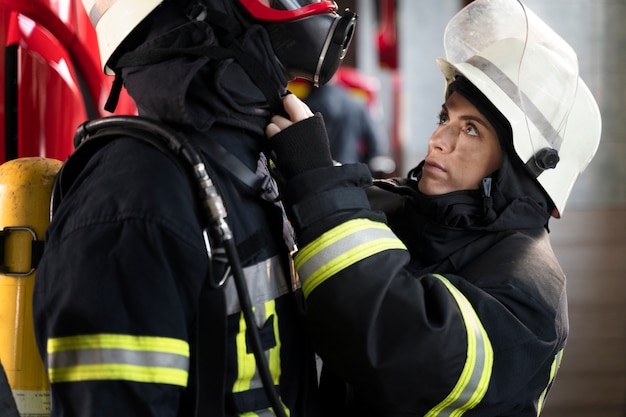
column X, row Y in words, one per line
column 340, row 248
column 474, row 379
column 158, row 360
column 556, row 364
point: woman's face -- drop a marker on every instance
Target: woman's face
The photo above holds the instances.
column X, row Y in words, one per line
column 462, row 151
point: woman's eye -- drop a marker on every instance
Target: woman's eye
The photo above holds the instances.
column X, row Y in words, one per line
column 442, row 118
column 471, row 130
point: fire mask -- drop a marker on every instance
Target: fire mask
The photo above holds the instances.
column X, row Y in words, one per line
column 309, row 37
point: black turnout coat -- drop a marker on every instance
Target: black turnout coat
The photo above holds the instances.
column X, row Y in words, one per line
column 424, row 306
column 121, row 319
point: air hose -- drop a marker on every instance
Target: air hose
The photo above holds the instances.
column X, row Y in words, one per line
column 148, row 130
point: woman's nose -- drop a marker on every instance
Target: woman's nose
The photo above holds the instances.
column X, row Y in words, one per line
column 442, row 139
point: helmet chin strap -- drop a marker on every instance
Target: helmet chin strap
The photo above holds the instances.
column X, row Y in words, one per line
column 114, row 93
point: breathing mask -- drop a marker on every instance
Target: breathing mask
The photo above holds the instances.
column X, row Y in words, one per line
column 309, row 37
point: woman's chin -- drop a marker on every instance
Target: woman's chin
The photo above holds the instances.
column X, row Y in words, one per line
column 429, row 187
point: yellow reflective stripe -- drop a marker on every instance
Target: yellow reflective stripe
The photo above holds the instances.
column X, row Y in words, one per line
column 112, row 341
column 556, row 363
column 148, row 359
column 246, row 365
column 340, row 248
column 274, row 357
column 474, row 379
column 131, row 373
column 274, row 353
column 268, row 412
column 247, row 376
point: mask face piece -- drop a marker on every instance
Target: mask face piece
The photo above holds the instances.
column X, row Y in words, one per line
column 309, row 38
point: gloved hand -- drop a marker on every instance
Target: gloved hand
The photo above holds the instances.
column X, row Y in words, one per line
column 300, row 143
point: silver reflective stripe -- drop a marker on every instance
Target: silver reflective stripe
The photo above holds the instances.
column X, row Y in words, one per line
column 476, row 375
column 99, row 9
column 65, row 359
column 144, row 359
column 339, row 247
column 266, row 281
column 515, row 93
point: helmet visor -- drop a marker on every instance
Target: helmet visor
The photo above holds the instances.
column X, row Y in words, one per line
column 524, row 57
column 286, row 10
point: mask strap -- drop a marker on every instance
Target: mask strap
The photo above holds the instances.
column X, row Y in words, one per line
column 255, row 70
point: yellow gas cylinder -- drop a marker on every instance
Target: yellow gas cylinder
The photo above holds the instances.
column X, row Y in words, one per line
column 25, row 190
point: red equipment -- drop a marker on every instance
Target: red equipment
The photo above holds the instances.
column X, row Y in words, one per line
column 50, row 77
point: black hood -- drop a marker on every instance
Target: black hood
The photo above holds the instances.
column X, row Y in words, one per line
column 191, row 79
column 509, row 199
column 435, row 227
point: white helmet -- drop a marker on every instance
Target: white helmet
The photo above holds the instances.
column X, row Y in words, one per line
column 531, row 75
column 114, row 20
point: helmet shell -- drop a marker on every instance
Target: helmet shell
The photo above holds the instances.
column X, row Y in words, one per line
column 531, row 75
column 114, row 21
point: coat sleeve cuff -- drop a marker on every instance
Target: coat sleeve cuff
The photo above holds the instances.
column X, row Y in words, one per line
column 301, row 147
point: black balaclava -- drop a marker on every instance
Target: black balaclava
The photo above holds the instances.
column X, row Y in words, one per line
column 435, row 226
column 182, row 71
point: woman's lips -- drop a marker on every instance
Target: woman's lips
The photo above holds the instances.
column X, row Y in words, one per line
column 433, row 166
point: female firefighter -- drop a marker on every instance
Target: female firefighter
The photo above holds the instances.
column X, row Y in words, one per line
column 439, row 294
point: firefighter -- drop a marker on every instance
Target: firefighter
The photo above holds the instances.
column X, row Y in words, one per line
column 439, row 293
column 136, row 309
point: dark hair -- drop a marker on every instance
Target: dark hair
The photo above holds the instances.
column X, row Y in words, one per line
column 501, row 125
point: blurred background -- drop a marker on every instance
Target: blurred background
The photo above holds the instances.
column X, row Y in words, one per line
column 51, row 81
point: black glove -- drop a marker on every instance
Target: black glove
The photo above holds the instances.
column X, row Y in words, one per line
column 301, row 147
